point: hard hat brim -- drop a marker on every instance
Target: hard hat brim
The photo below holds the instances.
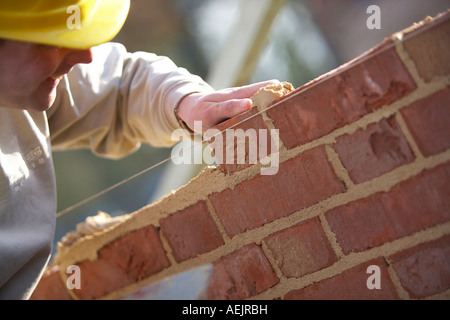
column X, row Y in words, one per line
column 104, row 22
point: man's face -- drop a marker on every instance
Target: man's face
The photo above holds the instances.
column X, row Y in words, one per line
column 30, row 73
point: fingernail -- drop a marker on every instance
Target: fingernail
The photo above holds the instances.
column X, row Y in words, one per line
column 247, row 104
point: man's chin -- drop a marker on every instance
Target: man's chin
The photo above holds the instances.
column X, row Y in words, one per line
column 36, row 104
column 43, row 102
column 29, row 106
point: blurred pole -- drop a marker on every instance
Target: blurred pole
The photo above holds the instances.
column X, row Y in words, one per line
column 240, row 53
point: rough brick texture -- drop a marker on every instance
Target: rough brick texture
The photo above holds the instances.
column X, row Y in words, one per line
column 122, row 262
column 301, row 249
column 263, row 199
column 191, row 232
column 368, row 153
column 52, row 288
column 420, row 202
column 346, row 96
column 428, row 121
column 349, row 285
column 428, row 48
column 424, row 270
column 242, row 274
column 359, row 207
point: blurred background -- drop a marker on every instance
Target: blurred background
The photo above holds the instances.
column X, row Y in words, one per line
column 228, row 43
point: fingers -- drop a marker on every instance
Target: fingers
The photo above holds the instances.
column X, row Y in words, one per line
column 231, row 108
column 241, row 92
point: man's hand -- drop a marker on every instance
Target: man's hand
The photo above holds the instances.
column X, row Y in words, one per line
column 214, row 107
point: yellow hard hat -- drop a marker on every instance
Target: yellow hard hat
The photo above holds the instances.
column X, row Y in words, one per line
column 77, row 24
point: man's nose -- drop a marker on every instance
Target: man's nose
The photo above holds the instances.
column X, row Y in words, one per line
column 74, row 57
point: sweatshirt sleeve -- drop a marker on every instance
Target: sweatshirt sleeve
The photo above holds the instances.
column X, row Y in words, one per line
column 118, row 101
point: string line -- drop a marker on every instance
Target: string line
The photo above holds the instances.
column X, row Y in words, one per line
column 307, row 86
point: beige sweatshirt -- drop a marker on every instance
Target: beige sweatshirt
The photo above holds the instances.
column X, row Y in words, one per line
column 110, row 106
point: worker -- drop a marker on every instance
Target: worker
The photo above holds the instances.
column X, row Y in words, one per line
column 65, row 87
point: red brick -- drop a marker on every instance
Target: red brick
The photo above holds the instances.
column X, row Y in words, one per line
column 428, row 121
column 349, row 285
column 251, row 124
column 424, row 270
column 369, row 153
column 429, row 48
column 191, row 232
column 126, row 260
column 413, row 205
column 51, row 287
column 343, row 97
column 241, row 274
column 301, row 249
column 298, row 184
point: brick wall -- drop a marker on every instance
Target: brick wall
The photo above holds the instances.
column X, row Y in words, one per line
column 364, row 180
